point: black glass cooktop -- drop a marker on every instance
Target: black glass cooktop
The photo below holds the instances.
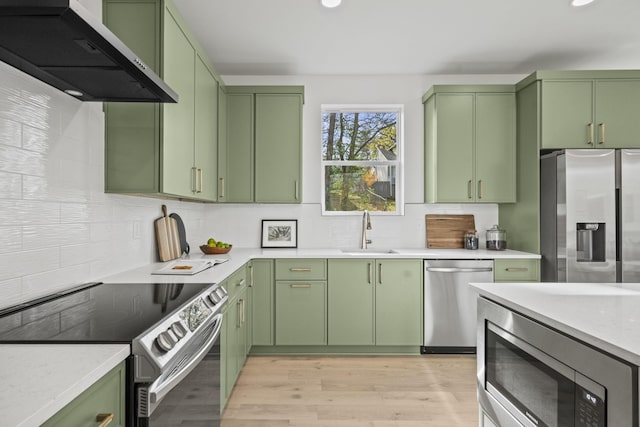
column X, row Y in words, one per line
column 96, row 313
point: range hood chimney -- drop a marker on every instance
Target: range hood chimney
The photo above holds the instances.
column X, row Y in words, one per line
column 63, row 44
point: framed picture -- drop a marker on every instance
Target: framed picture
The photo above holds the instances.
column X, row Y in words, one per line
column 279, row 233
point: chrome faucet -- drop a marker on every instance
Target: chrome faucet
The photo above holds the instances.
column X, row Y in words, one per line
column 366, row 225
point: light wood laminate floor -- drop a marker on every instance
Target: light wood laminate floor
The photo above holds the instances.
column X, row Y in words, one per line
column 376, row 391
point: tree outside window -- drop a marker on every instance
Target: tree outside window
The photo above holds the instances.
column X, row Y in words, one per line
column 361, row 161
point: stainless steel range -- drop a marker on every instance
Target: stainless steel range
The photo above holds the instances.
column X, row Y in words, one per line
column 173, row 331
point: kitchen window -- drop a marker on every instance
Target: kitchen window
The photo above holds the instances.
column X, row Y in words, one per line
column 362, row 159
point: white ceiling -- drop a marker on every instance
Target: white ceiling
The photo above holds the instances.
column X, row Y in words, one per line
column 300, row 37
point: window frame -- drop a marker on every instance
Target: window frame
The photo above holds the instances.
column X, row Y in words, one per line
column 398, row 163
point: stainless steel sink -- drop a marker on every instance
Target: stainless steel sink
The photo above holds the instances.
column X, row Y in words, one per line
column 371, row 251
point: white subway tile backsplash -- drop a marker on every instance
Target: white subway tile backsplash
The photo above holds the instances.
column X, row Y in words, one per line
column 18, row 264
column 10, row 239
column 10, row 185
column 10, row 132
column 27, row 212
column 18, row 160
column 54, row 235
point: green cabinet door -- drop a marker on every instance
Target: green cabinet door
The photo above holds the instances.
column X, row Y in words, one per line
column 262, row 283
column 301, row 313
column 278, row 147
column 495, row 148
column 567, row 114
column 206, row 133
column 454, row 153
column 132, row 139
column 616, row 114
column 351, row 296
column 178, row 118
column 232, row 346
column 398, row 302
column 243, row 329
column 238, row 170
column 105, row 396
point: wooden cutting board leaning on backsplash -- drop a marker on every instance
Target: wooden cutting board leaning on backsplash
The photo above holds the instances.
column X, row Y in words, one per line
column 447, row 231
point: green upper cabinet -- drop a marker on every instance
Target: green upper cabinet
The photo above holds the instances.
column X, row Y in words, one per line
column 162, row 149
column 260, row 157
column 236, row 176
column 375, row 302
column 278, row 159
column 590, row 113
column 470, row 146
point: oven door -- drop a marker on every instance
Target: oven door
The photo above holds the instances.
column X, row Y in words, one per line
column 531, row 375
column 189, row 392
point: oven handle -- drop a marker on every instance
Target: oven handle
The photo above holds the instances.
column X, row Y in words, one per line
column 157, row 391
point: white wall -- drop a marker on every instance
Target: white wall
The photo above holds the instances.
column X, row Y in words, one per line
column 240, row 224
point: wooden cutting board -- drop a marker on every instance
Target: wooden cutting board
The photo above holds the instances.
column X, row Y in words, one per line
column 167, row 237
column 447, row 231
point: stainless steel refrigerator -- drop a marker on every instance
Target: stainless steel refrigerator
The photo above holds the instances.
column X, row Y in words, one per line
column 590, row 215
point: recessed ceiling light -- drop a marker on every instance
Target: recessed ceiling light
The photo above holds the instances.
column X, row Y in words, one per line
column 74, row 92
column 578, row 3
column 331, row 3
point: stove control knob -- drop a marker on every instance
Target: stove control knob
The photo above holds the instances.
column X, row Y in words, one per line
column 165, row 341
column 214, row 298
column 178, row 330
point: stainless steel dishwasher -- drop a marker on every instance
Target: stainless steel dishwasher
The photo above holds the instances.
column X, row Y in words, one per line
column 450, row 305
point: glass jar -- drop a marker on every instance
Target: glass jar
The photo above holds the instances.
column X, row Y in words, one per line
column 471, row 239
column 496, row 239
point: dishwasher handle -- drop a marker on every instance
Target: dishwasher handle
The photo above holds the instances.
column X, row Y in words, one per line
column 458, row 269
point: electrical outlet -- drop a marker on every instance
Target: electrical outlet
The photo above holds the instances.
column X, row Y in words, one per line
column 137, row 226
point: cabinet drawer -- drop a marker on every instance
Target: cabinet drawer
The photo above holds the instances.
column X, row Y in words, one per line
column 234, row 283
column 301, row 269
column 105, row 396
column 516, row 270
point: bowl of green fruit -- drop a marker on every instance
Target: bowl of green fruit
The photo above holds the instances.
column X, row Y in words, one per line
column 214, row 246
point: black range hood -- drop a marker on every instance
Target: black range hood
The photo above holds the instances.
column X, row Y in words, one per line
column 61, row 43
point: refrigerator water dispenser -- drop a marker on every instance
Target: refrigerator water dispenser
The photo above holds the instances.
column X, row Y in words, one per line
column 590, row 242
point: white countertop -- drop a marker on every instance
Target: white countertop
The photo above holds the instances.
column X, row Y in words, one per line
column 605, row 315
column 40, row 379
column 239, row 256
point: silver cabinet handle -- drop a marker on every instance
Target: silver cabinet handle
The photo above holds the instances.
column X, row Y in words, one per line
column 241, row 282
column 222, row 187
column 516, row 269
column 380, row 273
column 296, row 190
column 457, row 269
column 370, row 272
column 300, row 285
column 194, row 179
column 251, row 276
column 300, row 270
column 601, row 125
column 242, row 318
column 469, row 189
column 200, row 180
column 480, row 189
column 590, row 141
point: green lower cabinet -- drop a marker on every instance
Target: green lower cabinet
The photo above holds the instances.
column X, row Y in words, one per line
column 106, row 396
column 351, row 294
column 399, row 302
column 262, row 288
column 516, row 270
column 375, row 302
column 301, row 313
column 234, row 344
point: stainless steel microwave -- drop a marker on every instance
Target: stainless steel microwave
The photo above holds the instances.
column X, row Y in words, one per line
column 530, row 375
